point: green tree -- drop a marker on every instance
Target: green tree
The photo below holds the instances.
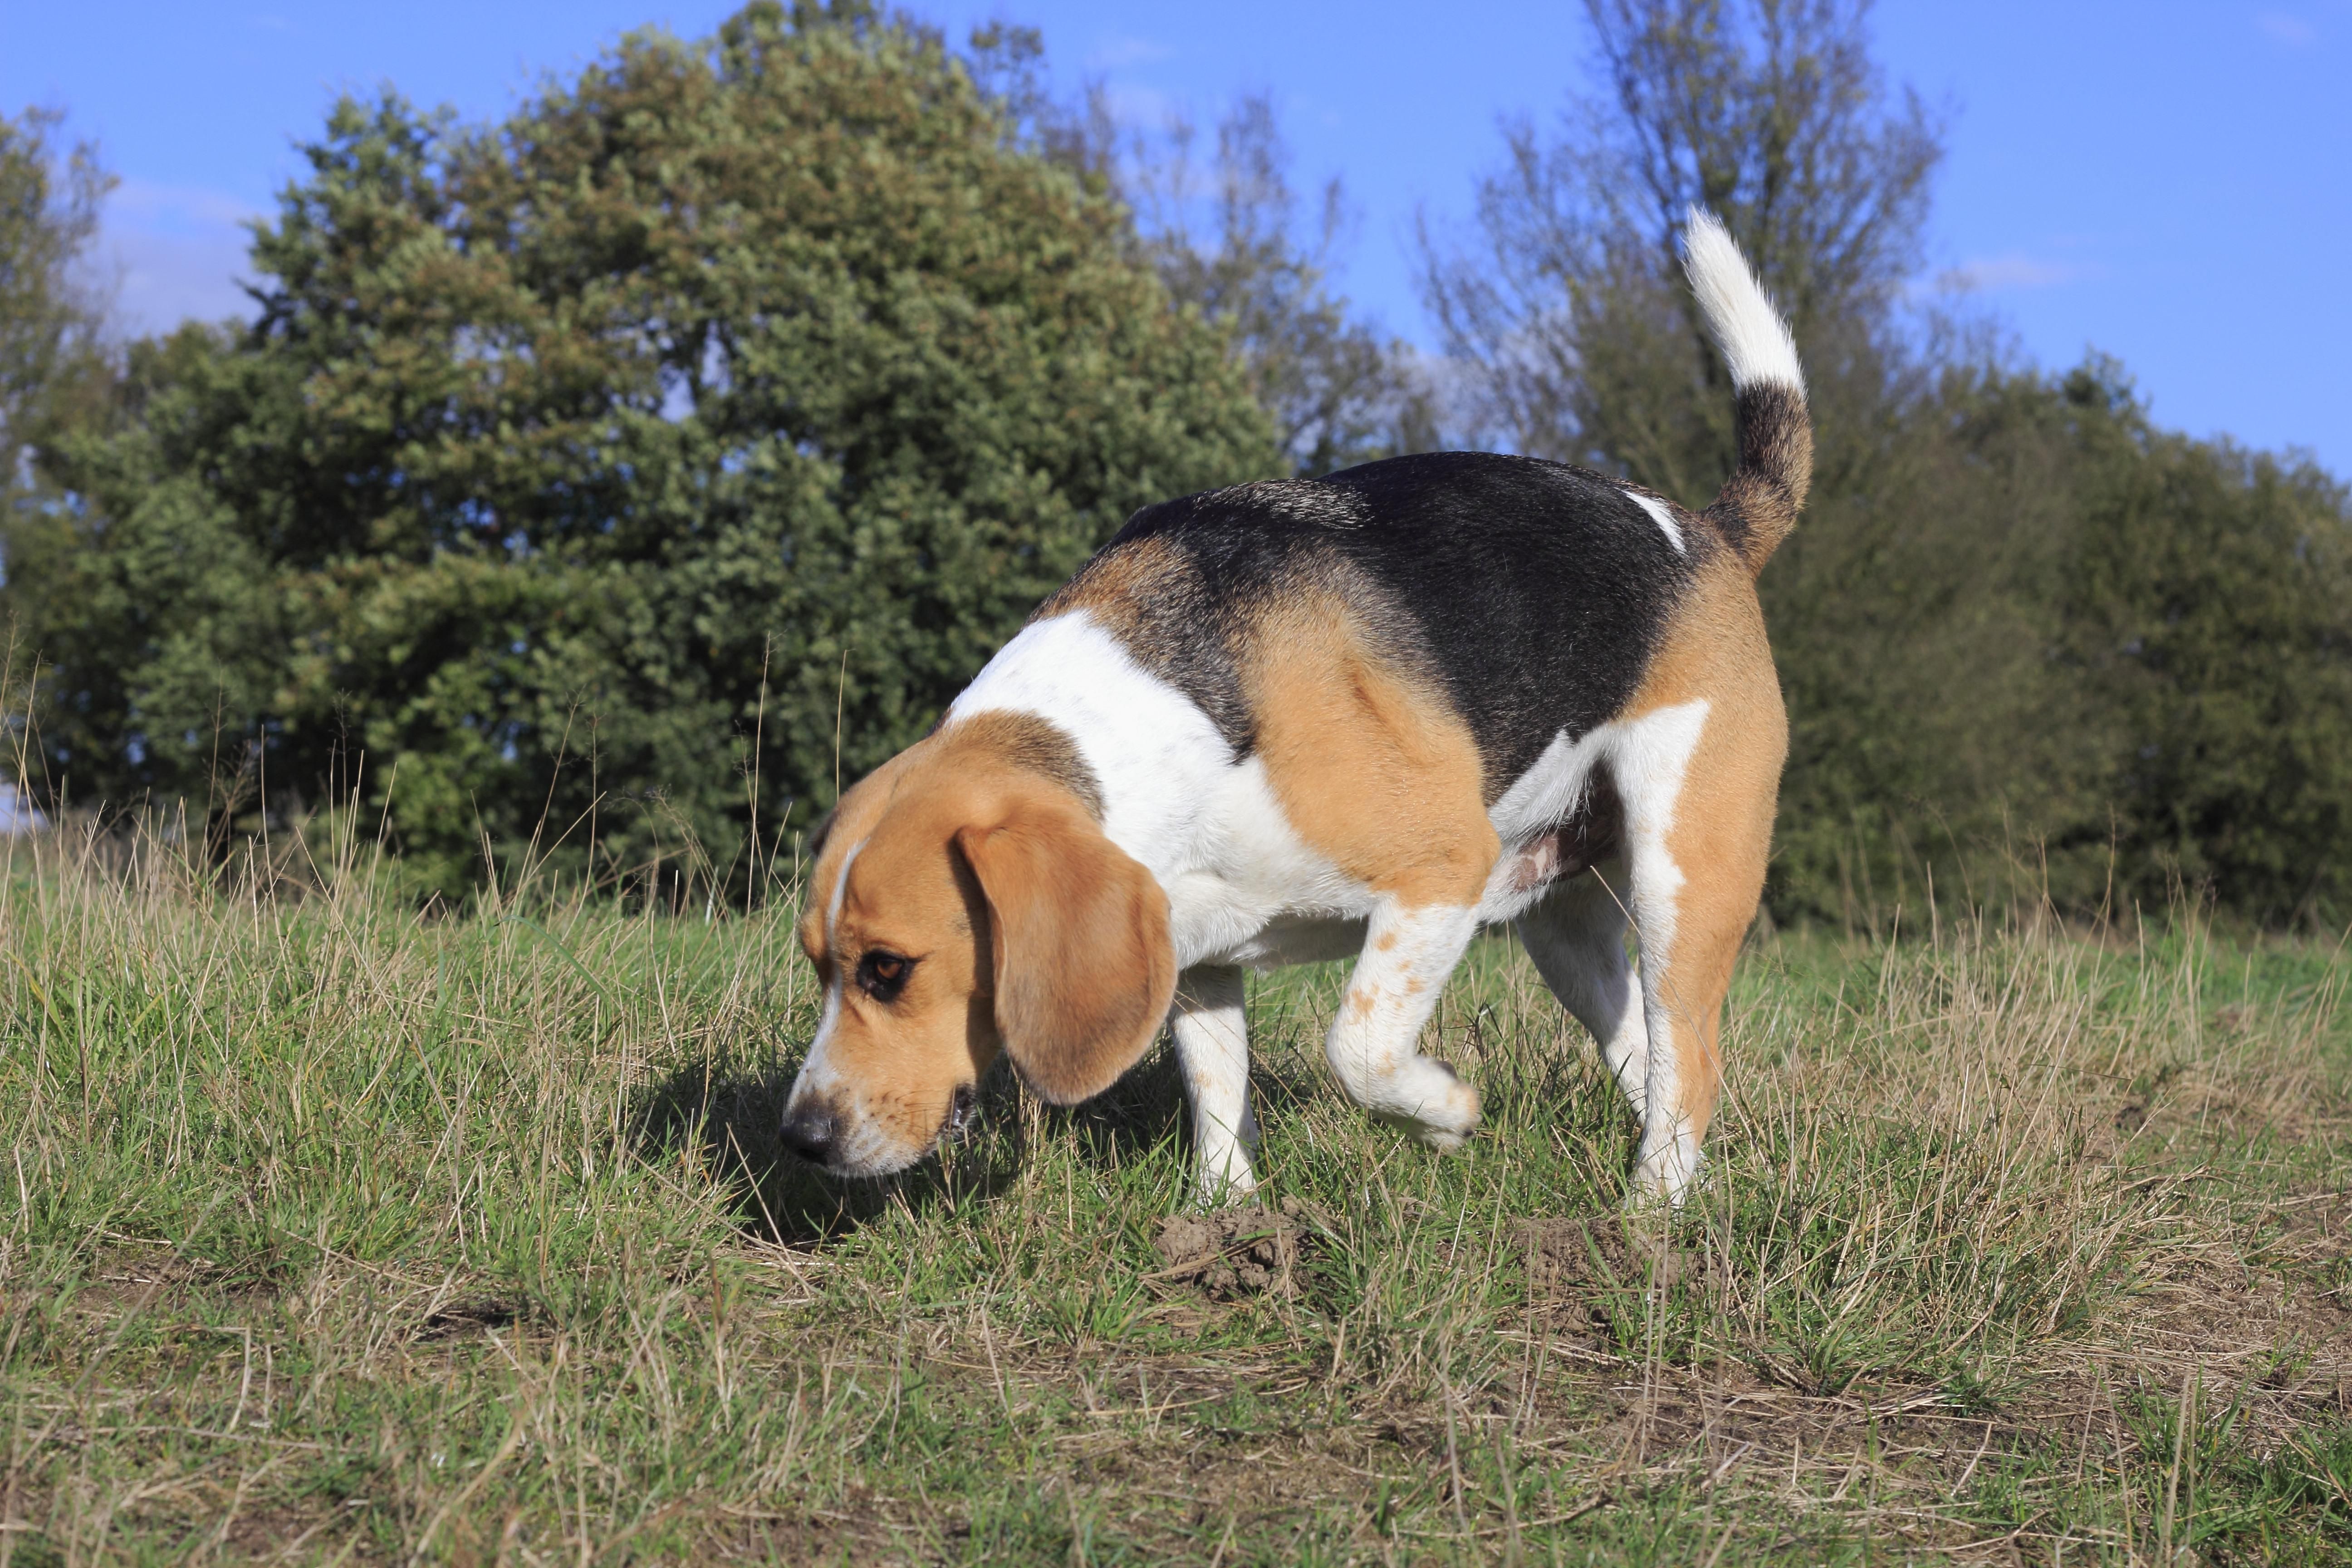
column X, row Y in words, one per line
column 2027, row 642
column 2209, row 600
column 1338, row 393
column 690, row 436
column 51, row 317
column 1231, row 240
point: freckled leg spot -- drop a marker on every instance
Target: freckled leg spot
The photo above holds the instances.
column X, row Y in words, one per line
column 1391, row 996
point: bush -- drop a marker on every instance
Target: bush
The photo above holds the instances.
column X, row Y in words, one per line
column 2037, row 645
column 684, row 441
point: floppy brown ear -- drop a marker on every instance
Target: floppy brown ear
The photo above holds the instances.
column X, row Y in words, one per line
column 1083, row 968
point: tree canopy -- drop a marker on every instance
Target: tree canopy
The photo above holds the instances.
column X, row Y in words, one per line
column 648, row 461
column 49, row 315
column 2028, row 640
column 634, row 470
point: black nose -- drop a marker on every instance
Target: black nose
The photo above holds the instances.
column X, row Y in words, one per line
column 810, row 1131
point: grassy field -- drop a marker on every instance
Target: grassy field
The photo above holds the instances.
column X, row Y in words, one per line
column 330, row 1233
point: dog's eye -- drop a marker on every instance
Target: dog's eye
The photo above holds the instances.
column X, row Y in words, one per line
column 882, row 975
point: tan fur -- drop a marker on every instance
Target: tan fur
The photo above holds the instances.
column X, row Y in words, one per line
column 905, row 893
column 1078, row 931
column 1028, row 742
column 1714, row 649
column 1030, row 932
column 1372, row 769
column 1119, row 585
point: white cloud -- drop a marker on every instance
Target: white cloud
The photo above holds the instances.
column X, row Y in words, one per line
column 177, row 207
column 1114, row 54
column 171, row 252
column 2011, row 271
column 1145, row 107
column 2290, row 30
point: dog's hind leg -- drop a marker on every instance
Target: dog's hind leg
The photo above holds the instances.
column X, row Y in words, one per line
column 1576, row 935
column 1698, row 781
column 1213, row 1050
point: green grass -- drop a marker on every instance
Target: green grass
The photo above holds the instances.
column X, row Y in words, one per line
column 333, row 1232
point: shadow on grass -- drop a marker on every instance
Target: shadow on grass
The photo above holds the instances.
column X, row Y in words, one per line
column 731, row 1123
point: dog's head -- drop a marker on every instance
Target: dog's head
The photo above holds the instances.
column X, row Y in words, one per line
column 961, row 905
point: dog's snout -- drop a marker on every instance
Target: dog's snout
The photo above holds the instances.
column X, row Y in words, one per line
column 811, row 1131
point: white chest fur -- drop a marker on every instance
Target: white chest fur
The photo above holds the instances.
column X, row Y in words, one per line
column 1207, row 827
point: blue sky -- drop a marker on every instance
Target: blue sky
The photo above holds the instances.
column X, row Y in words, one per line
column 2169, row 183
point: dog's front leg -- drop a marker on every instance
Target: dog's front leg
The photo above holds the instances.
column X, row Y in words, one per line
column 1409, row 953
column 1213, row 1050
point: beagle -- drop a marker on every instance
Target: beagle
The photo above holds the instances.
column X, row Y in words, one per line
column 1303, row 719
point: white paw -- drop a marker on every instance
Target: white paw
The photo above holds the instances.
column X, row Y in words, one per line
column 1225, row 1187
column 1431, row 1104
column 1662, row 1178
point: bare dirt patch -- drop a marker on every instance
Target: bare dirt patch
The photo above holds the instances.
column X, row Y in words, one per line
column 1234, row 1252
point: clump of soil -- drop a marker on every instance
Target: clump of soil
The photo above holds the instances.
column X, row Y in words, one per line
column 1229, row 1253
column 1608, row 1263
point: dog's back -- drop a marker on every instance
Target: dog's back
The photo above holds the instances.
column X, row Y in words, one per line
column 1530, row 596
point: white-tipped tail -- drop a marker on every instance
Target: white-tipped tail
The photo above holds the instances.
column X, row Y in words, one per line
column 1755, row 339
column 1759, row 503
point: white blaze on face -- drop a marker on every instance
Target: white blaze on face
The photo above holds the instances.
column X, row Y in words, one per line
column 861, row 1146
column 840, row 891
column 816, row 1074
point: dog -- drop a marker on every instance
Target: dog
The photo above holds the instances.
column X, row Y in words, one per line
column 1300, row 720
